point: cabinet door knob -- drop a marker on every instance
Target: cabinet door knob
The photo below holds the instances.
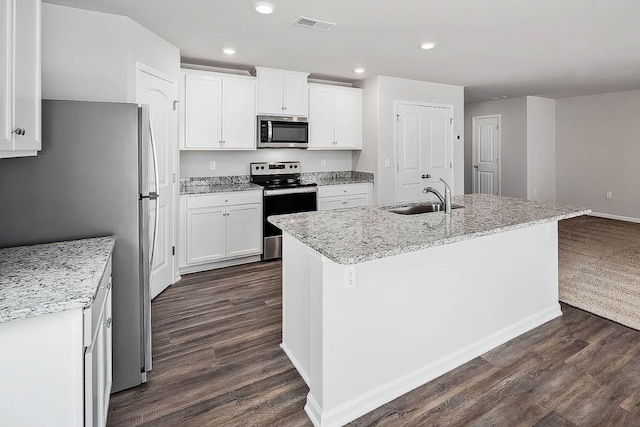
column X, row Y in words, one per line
column 107, row 323
column 19, row 131
column 426, row 176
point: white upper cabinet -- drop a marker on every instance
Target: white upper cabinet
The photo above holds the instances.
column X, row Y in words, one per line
column 282, row 92
column 218, row 111
column 20, row 78
column 335, row 117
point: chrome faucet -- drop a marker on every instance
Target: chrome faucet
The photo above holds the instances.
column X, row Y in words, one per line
column 446, row 200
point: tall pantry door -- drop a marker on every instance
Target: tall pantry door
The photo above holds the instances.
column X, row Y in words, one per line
column 160, row 93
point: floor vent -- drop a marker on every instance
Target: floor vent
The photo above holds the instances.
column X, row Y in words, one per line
column 315, row 24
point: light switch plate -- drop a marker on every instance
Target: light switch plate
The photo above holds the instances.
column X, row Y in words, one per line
column 212, row 165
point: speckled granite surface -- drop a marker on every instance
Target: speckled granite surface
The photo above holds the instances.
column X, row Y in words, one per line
column 223, row 184
column 216, row 184
column 49, row 278
column 351, row 236
column 338, row 178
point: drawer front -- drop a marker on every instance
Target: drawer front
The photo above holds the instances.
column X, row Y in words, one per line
column 223, row 199
column 342, row 190
column 91, row 315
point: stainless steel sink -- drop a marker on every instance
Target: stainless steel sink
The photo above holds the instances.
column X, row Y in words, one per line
column 421, row 208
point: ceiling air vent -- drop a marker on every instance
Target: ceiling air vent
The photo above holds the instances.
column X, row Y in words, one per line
column 315, row 24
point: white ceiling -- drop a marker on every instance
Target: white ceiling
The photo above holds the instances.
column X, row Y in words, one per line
column 495, row 48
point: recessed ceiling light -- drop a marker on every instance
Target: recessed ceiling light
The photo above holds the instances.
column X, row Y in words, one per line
column 359, row 70
column 229, row 50
column 264, row 7
column 427, row 45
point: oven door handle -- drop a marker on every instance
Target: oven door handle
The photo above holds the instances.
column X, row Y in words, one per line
column 285, row 191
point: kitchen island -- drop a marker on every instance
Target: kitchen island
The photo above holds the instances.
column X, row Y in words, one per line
column 376, row 304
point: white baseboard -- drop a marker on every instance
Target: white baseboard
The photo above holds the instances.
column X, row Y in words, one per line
column 385, row 393
column 219, row 264
column 618, row 217
column 296, row 364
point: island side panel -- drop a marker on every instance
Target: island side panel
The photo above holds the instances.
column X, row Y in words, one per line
column 296, row 283
column 412, row 317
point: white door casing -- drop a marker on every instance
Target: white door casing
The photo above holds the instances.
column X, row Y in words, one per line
column 424, row 149
column 159, row 92
column 486, row 154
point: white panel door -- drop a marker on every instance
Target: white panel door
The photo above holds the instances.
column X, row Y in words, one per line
column 486, row 154
column 26, row 80
column 203, row 111
column 321, row 118
column 238, row 114
column 356, row 200
column 348, row 118
column 244, row 229
column 159, row 94
column 295, row 94
column 424, row 150
column 205, row 234
column 6, row 74
column 332, row 202
column 270, row 88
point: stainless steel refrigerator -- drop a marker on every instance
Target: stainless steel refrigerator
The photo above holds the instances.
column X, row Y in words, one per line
column 92, row 178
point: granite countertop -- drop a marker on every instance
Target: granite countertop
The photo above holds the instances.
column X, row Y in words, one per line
column 224, row 184
column 355, row 235
column 338, row 178
column 53, row 277
column 217, row 184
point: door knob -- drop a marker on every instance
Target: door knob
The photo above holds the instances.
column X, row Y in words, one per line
column 426, row 176
column 475, row 166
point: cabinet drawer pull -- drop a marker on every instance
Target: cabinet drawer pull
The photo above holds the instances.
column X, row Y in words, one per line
column 19, row 131
column 107, row 323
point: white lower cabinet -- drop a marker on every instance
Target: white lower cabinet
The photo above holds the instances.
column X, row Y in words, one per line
column 98, row 356
column 219, row 229
column 57, row 368
column 343, row 196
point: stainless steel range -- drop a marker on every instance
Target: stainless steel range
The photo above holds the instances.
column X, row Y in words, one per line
column 284, row 192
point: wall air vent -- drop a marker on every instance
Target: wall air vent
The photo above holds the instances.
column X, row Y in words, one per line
column 315, row 24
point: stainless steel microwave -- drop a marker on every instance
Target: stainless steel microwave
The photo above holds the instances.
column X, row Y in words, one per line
column 283, row 132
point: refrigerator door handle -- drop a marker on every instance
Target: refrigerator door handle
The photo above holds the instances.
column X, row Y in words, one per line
column 153, row 195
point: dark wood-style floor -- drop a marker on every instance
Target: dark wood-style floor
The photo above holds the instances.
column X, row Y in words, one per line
column 217, row 362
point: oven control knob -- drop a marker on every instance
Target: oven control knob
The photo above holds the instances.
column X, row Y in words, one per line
column 296, row 166
column 261, row 167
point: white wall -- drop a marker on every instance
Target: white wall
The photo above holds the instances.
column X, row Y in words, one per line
column 196, row 163
column 541, row 149
column 390, row 89
column 598, row 150
column 91, row 56
column 513, row 143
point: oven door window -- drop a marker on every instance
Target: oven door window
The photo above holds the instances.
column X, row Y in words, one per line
column 285, row 204
column 289, row 132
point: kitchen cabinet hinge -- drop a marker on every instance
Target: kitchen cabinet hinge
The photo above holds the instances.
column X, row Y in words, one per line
column 174, row 178
column 173, row 250
column 451, row 121
column 397, row 117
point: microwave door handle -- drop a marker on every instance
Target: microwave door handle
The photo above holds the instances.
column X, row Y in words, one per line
column 269, row 131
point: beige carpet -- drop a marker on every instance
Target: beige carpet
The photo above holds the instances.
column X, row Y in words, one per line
column 599, row 267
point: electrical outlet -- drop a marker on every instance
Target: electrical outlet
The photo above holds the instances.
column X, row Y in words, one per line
column 609, row 195
column 387, row 163
column 323, row 162
column 350, row 277
column 212, row 165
